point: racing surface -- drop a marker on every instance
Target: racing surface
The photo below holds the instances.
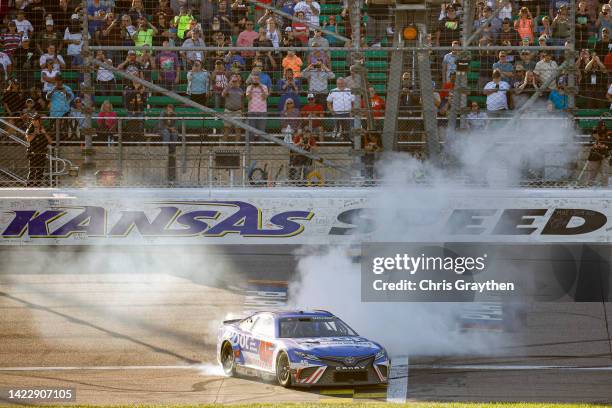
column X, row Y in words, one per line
column 149, row 338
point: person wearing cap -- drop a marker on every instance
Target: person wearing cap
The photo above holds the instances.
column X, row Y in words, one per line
column 300, row 165
column 289, row 87
column 27, row 113
column 508, row 33
column 39, row 139
column 504, row 67
column 59, row 98
column 340, row 103
column 604, row 19
column 234, row 97
column 603, row 46
column 189, row 57
column 131, row 65
column 78, row 119
column 497, row 94
column 594, row 82
column 23, row 26
column 318, row 76
column 73, row 39
column 26, row 57
column 49, row 36
column 312, row 114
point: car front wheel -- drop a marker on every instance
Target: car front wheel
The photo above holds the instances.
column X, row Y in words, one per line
column 228, row 360
column 283, row 370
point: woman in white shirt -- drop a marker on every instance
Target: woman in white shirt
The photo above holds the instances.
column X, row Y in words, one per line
column 47, row 76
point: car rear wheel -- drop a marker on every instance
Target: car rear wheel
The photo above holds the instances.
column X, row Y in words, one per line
column 228, row 360
column 283, row 370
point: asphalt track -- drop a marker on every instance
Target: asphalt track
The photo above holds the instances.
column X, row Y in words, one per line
column 149, row 337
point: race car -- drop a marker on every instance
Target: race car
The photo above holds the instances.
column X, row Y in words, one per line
column 300, row 348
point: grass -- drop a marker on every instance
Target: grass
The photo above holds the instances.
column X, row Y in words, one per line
column 384, row 404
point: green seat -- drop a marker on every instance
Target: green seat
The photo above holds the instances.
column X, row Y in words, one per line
column 377, row 76
column 381, row 89
column 162, row 101
column 473, row 76
column 376, row 65
column 338, row 66
column 273, row 125
column 338, row 54
column 116, row 100
column 376, row 54
column 273, row 101
column 331, row 9
column 590, row 112
column 479, row 99
column 475, row 65
column 70, row 75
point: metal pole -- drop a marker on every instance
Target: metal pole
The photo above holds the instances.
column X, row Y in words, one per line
column 570, row 56
column 184, row 147
column 355, row 17
column 120, row 142
column 222, row 116
column 430, row 113
column 459, row 100
column 360, row 49
column 88, row 164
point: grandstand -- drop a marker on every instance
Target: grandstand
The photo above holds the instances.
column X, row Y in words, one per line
column 214, row 92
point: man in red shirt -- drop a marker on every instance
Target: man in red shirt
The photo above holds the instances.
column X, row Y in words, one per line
column 312, row 113
column 377, row 104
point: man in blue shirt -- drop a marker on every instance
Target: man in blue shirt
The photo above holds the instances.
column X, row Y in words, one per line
column 60, row 98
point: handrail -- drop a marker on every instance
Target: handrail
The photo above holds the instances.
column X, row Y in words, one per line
column 13, row 175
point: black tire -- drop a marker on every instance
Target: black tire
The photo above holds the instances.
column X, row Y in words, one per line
column 283, row 371
column 228, row 360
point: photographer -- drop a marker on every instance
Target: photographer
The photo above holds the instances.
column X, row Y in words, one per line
column 289, row 88
column 299, row 165
column 257, row 96
column 318, row 76
column 39, row 139
column 599, row 156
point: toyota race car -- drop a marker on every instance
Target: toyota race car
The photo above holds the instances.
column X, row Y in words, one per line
column 300, row 349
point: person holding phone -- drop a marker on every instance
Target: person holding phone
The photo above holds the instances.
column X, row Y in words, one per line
column 496, row 91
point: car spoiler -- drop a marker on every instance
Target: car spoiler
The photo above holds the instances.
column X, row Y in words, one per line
column 231, row 321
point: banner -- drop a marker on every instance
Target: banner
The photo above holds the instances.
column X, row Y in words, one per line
column 289, row 216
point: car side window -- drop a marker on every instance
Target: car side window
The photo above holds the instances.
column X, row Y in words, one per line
column 247, row 324
column 264, row 326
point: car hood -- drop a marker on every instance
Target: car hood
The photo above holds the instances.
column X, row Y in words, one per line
column 337, row 346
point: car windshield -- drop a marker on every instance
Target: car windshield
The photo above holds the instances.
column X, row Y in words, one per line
column 293, row 327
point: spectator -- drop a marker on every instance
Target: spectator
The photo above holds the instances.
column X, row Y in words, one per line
column 131, row 66
column 47, row 76
column 198, row 83
column 604, row 20
column 603, row 46
column 505, row 67
column 594, row 83
column 546, row 71
column 561, row 28
column 507, row 33
column 378, row 25
column 169, row 68
column 289, row 88
column 39, row 139
column 524, row 89
column 289, row 39
column 331, row 26
column 598, row 160
column 311, row 10
column 526, row 60
column 300, row 165
column 47, row 37
column 497, row 94
column 293, row 62
column 371, row 146
column 105, row 79
column 189, row 57
column 545, row 29
column 234, row 102
column 182, row 21
column 245, row 39
column 525, row 25
column 144, row 34
column 299, row 29
column 449, row 62
column 319, row 55
column 609, row 95
column 506, row 10
column 267, row 58
column 219, row 79
column 13, row 102
column 107, row 122
column 257, row 96
column 582, row 26
column 26, row 59
column 340, row 103
column 476, row 120
column 135, row 98
column 273, row 33
column 231, row 59
column 137, row 11
column 558, row 99
column 449, row 28
column 11, row 38
column 163, row 24
column 58, row 60
column 239, row 16
column 24, row 27
column 60, row 98
column 168, row 124
column 494, row 25
column 96, row 14
column 110, row 33
column 78, row 121
column 163, row 8
column 224, row 18
column 319, row 41
column 27, row 114
column 318, row 76
column 290, row 116
column 73, row 38
column 312, row 113
column 264, row 78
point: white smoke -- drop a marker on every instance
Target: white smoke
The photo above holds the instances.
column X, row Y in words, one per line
column 414, row 196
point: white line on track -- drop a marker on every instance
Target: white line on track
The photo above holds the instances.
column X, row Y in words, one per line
column 76, row 368
column 397, row 390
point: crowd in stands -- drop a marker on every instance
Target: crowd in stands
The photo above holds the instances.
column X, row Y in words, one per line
column 43, row 67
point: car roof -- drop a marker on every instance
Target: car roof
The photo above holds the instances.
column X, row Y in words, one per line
column 299, row 313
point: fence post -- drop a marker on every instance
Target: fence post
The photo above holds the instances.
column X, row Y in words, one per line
column 50, row 154
column 120, row 142
column 184, row 147
column 210, row 166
